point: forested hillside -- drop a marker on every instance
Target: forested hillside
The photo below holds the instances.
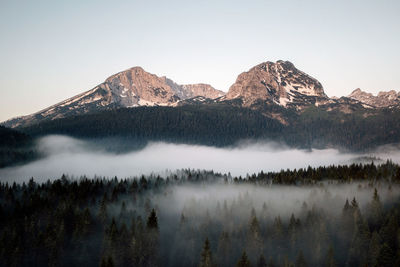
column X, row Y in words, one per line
column 209, row 125
column 15, row 147
column 225, row 125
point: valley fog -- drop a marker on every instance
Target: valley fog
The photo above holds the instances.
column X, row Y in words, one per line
column 279, row 200
column 66, row 155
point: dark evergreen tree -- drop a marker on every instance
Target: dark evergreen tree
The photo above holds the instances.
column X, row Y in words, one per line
column 224, row 249
column 386, row 256
column 243, row 261
column 330, row 258
column 300, row 260
column 375, row 211
column 206, row 256
column 261, row 261
column 152, row 221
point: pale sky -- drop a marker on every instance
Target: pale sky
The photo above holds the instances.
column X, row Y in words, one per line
column 52, row 50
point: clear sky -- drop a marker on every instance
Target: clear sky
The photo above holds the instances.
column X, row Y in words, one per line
column 52, row 50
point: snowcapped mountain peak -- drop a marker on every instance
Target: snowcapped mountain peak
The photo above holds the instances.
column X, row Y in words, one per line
column 280, row 82
column 129, row 88
column 382, row 99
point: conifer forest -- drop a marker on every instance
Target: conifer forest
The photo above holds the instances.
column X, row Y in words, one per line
column 327, row 216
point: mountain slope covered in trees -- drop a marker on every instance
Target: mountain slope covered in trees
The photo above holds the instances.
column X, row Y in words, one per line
column 225, row 125
column 15, row 147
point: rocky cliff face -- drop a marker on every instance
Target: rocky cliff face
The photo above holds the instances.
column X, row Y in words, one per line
column 279, row 83
column 130, row 88
column 382, row 100
column 201, row 89
column 187, row 91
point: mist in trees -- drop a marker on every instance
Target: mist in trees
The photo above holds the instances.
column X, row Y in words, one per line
column 326, row 216
column 65, row 155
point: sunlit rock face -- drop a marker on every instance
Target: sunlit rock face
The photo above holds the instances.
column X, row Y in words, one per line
column 280, row 82
column 130, row 88
column 382, row 100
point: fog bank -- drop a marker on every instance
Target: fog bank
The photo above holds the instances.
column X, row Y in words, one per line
column 65, row 155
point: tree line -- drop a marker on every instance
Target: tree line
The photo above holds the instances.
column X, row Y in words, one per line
column 224, row 125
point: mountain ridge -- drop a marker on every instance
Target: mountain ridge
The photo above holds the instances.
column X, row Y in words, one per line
column 269, row 83
column 384, row 99
column 132, row 87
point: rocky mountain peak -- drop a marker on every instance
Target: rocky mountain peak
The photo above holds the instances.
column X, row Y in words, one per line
column 201, row 89
column 129, row 88
column 136, row 87
column 280, row 82
column 381, row 100
column 187, row 91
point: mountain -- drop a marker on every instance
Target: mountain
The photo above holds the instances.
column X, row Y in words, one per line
column 272, row 88
column 272, row 101
column 280, row 83
column 382, row 100
column 130, row 88
column 188, row 91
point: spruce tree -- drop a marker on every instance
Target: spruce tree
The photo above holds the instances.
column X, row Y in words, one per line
column 206, row 257
column 300, row 260
column 261, row 261
column 330, row 258
column 375, row 211
column 374, row 248
column 224, row 248
column 152, row 221
column 243, row 261
column 152, row 239
column 386, row 256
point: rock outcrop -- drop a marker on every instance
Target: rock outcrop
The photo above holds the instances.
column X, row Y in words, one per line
column 382, row 100
column 281, row 83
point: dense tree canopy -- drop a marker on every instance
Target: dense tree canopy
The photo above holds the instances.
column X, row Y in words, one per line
column 135, row 222
column 225, row 125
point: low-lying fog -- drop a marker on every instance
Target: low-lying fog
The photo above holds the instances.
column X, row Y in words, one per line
column 280, row 200
column 65, row 155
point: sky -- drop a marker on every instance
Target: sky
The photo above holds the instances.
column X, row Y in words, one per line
column 53, row 50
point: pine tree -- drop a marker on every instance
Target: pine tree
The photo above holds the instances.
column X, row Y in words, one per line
column 152, row 221
column 103, row 209
column 264, row 212
column 375, row 211
column 360, row 243
column 254, row 239
column 330, row 258
column 152, row 240
column 387, row 232
column 206, row 257
column 346, row 230
column 271, row 262
column 110, row 262
column 262, row 262
column 182, row 220
column 292, row 232
column 374, row 248
column 386, row 256
column 243, row 261
column 107, row 262
column 300, row 260
column 224, row 247
column 277, row 230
